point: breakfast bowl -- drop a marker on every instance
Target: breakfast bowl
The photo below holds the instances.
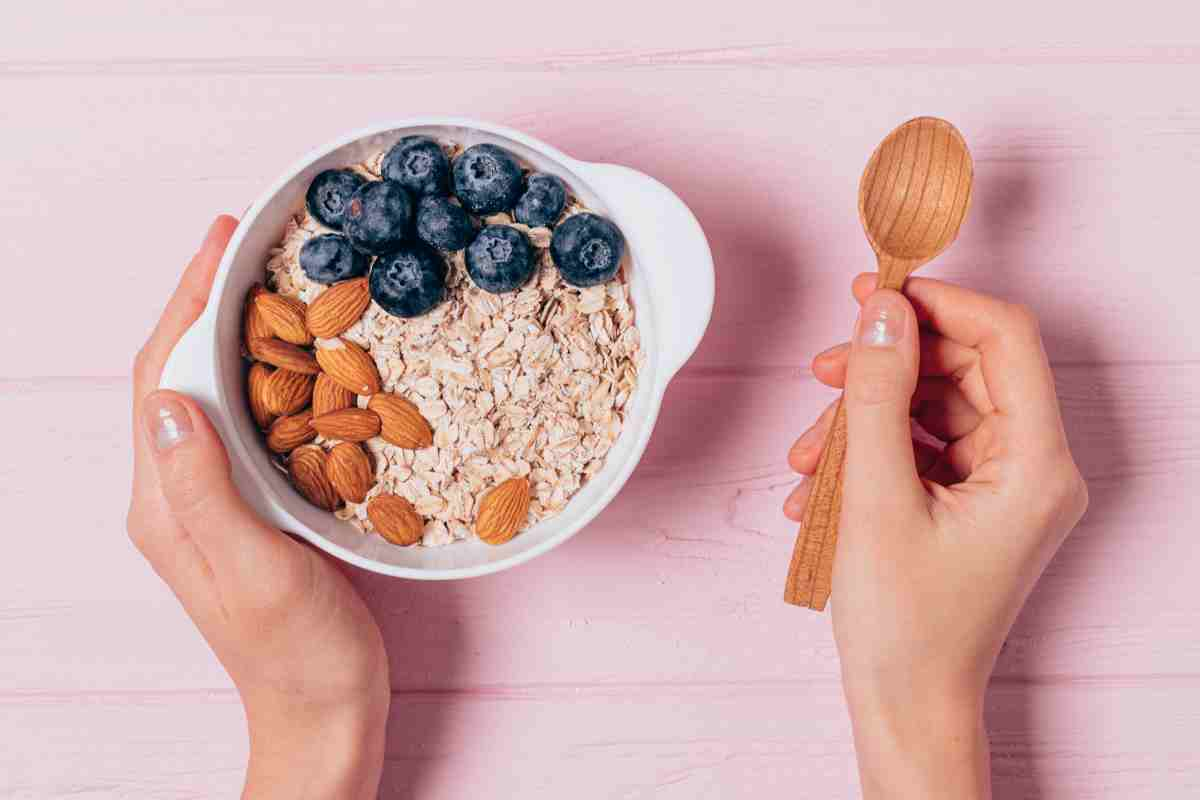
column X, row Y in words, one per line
column 669, row 270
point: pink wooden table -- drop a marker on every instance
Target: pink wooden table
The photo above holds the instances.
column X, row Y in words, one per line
column 651, row 657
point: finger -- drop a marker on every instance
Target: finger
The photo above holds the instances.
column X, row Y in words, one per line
column 185, row 305
column 934, row 465
column 940, row 357
column 925, row 456
column 793, row 506
column 829, row 366
column 942, row 405
column 880, row 471
column 805, row 453
column 194, row 478
column 940, row 473
column 1013, row 365
column 147, row 507
column 941, row 408
column 863, row 285
column 964, row 457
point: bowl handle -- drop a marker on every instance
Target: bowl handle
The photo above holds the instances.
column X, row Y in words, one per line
column 191, row 370
column 673, row 251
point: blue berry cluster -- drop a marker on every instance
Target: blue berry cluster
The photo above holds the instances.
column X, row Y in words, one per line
column 425, row 206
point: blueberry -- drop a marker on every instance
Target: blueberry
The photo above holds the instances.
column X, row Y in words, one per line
column 500, row 259
column 330, row 258
column 544, row 199
column 418, row 164
column 329, row 195
column 378, row 217
column 487, row 179
column 443, row 224
column 409, row 281
column 587, row 249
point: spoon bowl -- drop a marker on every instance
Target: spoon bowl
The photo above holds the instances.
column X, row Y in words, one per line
column 914, row 195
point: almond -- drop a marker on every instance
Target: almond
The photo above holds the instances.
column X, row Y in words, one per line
column 256, row 382
column 349, row 470
column 395, row 519
column 285, row 316
column 338, row 308
column 306, row 466
column 254, row 326
column 349, row 365
column 288, row 433
column 349, row 424
column 281, row 354
column 503, row 511
column 328, row 396
column 402, row 423
column 287, row 392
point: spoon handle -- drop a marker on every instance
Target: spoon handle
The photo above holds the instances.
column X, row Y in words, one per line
column 810, row 576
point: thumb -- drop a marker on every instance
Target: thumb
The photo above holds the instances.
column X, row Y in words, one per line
column 195, row 480
column 880, row 380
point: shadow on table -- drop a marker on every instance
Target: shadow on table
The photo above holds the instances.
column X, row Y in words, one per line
column 759, row 278
column 429, row 613
column 1009, row 203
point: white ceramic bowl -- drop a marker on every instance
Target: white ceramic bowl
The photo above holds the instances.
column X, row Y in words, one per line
column 671, row 278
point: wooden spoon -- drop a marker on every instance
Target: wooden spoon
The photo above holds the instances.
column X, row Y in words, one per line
column 912, row 200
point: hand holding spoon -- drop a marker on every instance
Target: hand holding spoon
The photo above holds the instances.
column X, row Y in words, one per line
column 912, row 200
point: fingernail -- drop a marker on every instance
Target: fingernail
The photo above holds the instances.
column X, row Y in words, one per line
column 166, row 420
column 883, row 320
column 833, row 352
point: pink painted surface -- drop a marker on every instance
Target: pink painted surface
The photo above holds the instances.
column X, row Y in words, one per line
column 651, row 657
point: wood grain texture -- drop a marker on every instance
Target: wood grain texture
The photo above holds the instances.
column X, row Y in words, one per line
column 810, row 574
column 217, row 32
column 651, row 656
column 675, row 742
column 1058, row 194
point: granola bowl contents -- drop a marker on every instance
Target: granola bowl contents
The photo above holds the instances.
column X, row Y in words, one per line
column 436, row 349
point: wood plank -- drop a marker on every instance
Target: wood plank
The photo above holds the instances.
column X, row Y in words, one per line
column 644, row 659
column 695, row 742
column 59, row 31
column 678, row 580
column 769, row 160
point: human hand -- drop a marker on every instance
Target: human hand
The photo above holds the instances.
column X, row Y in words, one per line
column 937, row 550
column 295, row 637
